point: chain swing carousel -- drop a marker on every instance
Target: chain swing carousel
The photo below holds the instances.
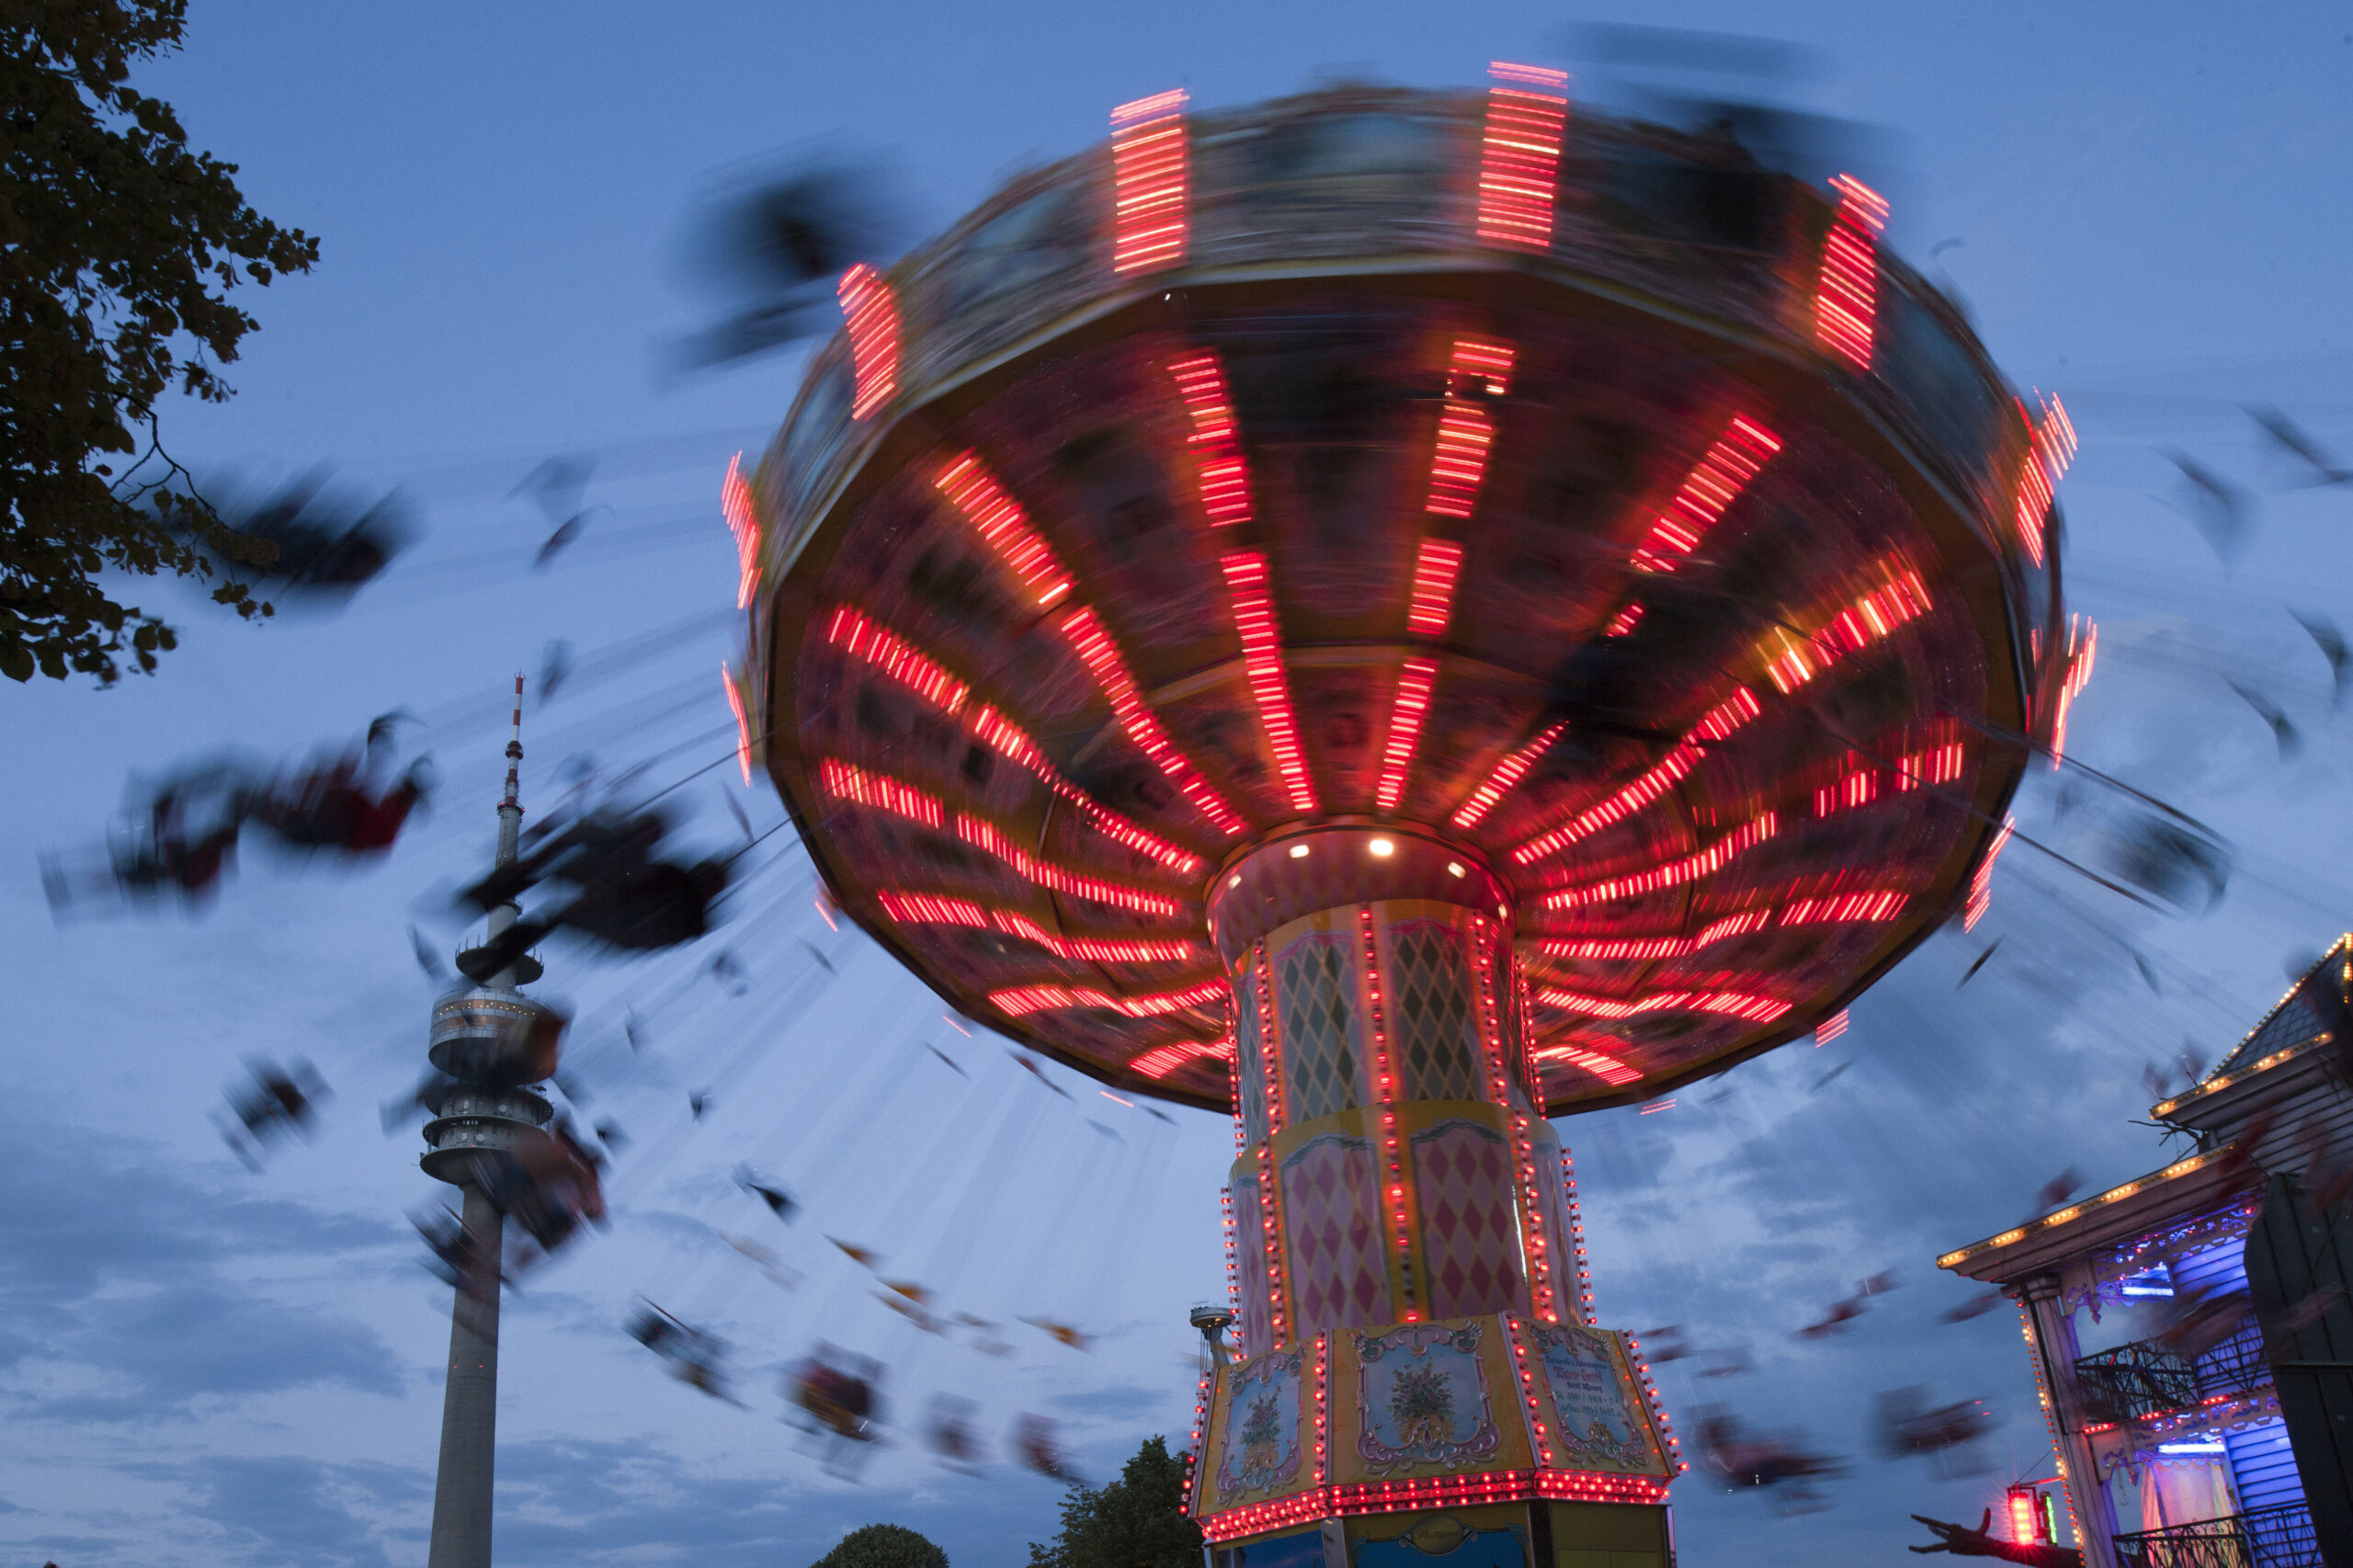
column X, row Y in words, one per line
column 1399, row 615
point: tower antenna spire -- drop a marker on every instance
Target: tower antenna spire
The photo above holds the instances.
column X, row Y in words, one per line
column 510, row 805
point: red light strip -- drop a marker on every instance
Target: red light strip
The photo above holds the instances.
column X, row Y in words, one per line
column 1435, row 567
column 1937, row 765
column 1507, row 773
column 1528, row 1391
column 1718, row 724
column 1609, row 1069
column 1625, row 620
column 2051, row 446
column 1232, row 1270
column 1225, row 484
column 902, row 661
column 744, row 522
column 1577, row 1222
column 1493, row 952
column 1254, row 618
column 1148, row 177
column 933, row 909
column 1269, row 1199
column 2083, row 647
column 982, row 836
column 1711, row 486
column 1901, row 598
column 1161, row 1061
column 736, row 705
column 909, row 665
column 1465, row 433
column 1620, row 949
column 1024, row 999
column 1519, row 159
column 1855, row 908
column 1323, row 1414
column 1101, row 655
column 1411, row 705
column 845, row 781
column 1981, row 884
column 1010, row 740
column 1859, row 781
column 1856, row 787
column 873, row 320
column 1526, row 1043
column 1674, row 873
column 1187, row 1501
column 1219, row 471
column 975, row 492
column 743, row 720
column 1660, row 1425
column 1268, row 1068
column 1092, row 950
column 1846, row 296
column 1414, row 1496
column 1730, row 1003
column 1393, row 1148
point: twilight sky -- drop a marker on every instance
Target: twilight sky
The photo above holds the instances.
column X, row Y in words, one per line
column 201, row 1366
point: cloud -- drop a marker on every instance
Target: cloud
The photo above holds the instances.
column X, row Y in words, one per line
column 584, row 1501
column 118, row 1212
column 126, row 1286
column 1120, row 1401
column 293, row 1511
column 167, row 1350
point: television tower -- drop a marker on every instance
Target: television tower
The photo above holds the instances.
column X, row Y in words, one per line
column 493, row 1043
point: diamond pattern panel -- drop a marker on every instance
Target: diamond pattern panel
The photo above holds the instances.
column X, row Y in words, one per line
column 1433, row 1018
column 1249, row 1061
column 1322, row 1037
column 1250, row 1266
column 1338, row 1276
column 1469, row 1235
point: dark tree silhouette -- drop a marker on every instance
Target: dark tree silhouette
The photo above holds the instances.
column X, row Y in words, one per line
column 1137, row 1521
column 883, row 1546
column 118, row 249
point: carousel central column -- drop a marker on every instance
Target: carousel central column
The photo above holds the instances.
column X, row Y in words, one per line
column 1390, row 1147
column 1417, row 1372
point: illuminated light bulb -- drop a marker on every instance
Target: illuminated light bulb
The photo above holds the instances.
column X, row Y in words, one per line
column 1298, row 851
column 1383, row 849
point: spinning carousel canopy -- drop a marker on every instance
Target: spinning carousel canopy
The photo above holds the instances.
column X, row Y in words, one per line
column 1604, row 512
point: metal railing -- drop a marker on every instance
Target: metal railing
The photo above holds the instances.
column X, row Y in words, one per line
column 2145, row 1379
column 2237, row 1364
column 2267, row 1538
column 2135, row 1379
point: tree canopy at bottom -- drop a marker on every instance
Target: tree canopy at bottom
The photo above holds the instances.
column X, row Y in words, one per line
column 883, row 1546
column 1137, row 1521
